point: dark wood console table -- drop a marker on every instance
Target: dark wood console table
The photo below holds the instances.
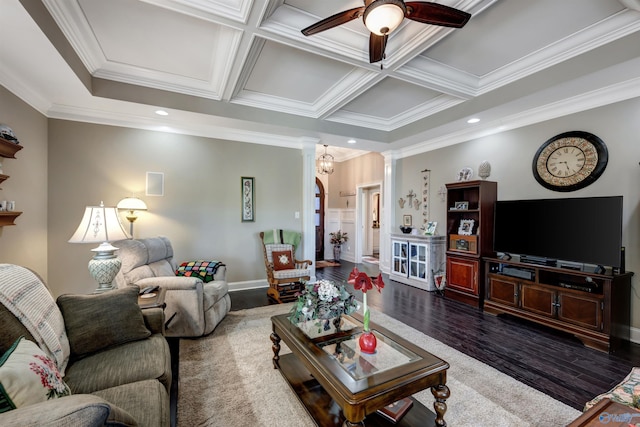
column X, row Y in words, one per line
column 593, row 307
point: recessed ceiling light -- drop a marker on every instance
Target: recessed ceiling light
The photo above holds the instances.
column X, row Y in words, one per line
column 162, row 113
column 473, row 120
column 351, row 141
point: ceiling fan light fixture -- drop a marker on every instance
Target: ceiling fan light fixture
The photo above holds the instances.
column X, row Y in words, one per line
column 383, row 16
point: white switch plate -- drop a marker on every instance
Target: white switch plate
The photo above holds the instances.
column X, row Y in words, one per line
column 297, row 215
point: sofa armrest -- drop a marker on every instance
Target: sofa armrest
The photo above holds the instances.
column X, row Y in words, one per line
column 74, row 410
column 181, row 283
column 154, row 319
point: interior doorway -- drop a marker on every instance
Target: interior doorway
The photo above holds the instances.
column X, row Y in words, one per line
column 319, row 219
column 369, row 213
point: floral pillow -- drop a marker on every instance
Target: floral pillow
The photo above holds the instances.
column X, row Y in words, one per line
column 283, row 260
column 28, row 376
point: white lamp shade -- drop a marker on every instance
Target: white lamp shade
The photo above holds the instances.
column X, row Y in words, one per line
column 382, row 19
column 132, row 204
column 99, row 224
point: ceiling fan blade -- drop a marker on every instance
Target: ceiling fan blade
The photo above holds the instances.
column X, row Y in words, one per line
column 333, row 21
column 377, row 45
column 436, row 14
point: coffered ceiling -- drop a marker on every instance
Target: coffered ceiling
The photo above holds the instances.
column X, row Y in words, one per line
column 242, row 70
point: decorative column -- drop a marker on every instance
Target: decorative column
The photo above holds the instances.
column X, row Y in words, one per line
column 387, row 208
column 308, row 195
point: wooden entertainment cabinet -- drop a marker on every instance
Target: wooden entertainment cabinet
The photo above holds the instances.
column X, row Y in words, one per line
column 593, row 307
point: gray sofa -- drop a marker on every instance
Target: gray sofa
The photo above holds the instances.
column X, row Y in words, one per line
column 194, row 308
column 119, row 363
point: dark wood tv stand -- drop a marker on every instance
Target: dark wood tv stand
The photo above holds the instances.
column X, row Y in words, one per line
column 593, row 307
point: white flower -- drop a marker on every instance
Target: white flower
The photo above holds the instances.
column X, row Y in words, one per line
column 327, row 291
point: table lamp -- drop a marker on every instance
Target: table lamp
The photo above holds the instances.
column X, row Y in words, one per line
column 101, row 224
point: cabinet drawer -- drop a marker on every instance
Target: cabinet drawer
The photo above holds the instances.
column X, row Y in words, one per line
column 503, row 291
column 582, row 310
column 538, row 300
column 462, row 275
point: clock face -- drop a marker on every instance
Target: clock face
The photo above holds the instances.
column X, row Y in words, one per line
column 570, row 161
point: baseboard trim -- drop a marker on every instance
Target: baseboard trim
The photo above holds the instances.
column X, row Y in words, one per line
column 250, row 284
column 635, row 335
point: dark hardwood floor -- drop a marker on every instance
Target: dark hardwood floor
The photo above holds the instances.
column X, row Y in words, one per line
column 553, row 362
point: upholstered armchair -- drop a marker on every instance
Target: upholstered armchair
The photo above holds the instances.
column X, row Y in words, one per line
column 194, row 307
column 284, row 273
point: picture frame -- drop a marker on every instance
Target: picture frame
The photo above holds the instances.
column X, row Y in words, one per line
column 407, row 220
column 430, row 229
column 461, row 206
column 248, row 203
column 466, row 227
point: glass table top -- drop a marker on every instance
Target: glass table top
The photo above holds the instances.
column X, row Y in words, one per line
column 388, row 355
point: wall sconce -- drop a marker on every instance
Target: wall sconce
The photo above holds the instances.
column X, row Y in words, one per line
column 101, row 224
column 131, row 204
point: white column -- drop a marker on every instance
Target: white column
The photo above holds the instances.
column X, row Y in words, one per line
column 308, row 195
column 387, row 215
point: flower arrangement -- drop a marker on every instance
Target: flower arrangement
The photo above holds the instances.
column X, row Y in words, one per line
column 322, row 301
column 362, row 282
column 338, row 238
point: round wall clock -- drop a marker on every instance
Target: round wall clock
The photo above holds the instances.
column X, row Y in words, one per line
column 570, row 161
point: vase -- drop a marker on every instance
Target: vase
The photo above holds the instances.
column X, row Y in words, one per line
column 336, row 252
column 368, row 342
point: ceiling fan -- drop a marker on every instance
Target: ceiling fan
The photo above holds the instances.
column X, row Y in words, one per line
column 381, row 17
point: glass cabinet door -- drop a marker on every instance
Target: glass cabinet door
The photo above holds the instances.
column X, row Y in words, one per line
column 399, row 257
column 419, row 254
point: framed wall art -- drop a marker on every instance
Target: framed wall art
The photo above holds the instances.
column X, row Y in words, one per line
column 248, row 202
column 430, row 230
column 406, row 220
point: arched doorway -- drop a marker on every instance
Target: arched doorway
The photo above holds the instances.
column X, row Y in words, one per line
column 319, row 220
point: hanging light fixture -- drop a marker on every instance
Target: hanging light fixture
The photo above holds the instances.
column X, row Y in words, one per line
column 324, row 163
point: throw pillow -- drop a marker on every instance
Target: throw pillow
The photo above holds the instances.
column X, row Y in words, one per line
column 28, row 376
column 98, row 321
column 283, row 260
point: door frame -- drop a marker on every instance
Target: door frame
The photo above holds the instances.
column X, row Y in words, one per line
column 361, row 215
column 319, row 253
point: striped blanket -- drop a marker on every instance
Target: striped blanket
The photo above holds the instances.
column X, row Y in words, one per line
column 24, row 295
column 276, row 236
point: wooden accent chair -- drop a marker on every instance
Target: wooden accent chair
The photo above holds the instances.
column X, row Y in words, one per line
column 285, row 274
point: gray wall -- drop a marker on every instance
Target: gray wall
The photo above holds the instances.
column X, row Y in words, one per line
column 511, row 155
column 26, row 242
column 200, row 209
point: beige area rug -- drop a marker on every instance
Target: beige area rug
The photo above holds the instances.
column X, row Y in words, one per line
column 227, row 379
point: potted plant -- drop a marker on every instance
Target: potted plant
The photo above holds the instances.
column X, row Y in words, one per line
column 362, row 282
column 320, row 306
column 337, row 239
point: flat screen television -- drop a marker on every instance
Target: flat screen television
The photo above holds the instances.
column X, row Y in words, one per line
column 582, row 230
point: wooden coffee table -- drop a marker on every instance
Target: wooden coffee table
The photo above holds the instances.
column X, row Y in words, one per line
column 340, row 386
column 608, row 413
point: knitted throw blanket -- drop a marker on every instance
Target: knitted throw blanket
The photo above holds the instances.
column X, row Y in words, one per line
column 24, row 295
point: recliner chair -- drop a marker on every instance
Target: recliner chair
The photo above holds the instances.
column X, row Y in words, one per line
column 194, row 308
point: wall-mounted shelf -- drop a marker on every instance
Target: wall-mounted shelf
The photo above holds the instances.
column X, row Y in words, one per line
column 3, row 178
column 9, row 149
column 8, row 218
